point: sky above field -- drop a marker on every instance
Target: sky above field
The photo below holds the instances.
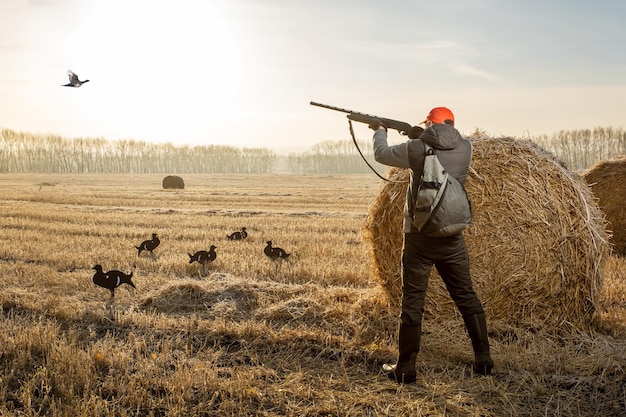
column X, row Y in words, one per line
column 242, row 72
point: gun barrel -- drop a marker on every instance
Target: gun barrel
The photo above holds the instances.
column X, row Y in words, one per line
column 353, row 112
column 401, row 127
column 326, row 106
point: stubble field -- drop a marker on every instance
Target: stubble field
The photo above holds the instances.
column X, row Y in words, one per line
column 248, row 336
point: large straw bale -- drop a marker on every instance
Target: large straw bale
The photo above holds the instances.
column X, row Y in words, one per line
column 536, row 243
column 607, row 180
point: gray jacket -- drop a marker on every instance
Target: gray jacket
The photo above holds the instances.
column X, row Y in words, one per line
column 454, row 152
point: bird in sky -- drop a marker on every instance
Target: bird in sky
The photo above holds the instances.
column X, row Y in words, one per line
column 74, row 81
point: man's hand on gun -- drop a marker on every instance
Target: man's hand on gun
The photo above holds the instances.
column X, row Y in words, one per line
column 376, row 124
column 413, row 133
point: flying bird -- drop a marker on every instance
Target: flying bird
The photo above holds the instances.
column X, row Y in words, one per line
column 238, row 235
column 149, row 245
column 74, row 81
column 111, row 279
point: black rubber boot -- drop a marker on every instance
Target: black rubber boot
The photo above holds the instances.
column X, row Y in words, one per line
column 403, row 371
column 477, row 329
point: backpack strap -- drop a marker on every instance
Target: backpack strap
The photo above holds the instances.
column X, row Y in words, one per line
column 428, row 150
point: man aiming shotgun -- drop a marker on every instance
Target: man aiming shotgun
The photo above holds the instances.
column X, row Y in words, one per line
column 422, row 250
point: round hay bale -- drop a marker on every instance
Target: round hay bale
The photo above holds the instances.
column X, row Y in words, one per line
column 173, row 182
column 536, row 242
column 607, row 180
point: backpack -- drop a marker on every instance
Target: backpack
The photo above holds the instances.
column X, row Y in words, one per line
column 442, row 207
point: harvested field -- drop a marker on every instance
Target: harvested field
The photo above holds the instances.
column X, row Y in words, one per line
column 250, row 338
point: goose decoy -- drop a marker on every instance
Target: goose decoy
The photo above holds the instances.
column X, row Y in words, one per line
column 149, row 245
column 241, row 235
column 111, row 279
column 74, row 81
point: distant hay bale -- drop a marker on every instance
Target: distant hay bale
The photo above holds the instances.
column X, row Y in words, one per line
column 173, row 182
column 536, row 243
column 607, row 180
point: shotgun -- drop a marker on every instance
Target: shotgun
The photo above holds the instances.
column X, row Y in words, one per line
column 402, row 127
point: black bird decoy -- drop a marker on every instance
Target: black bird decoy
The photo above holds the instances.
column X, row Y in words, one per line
column 241, row 235
column 111, row 279
column 149, row 245
column 203, row 257
column 74, row 81
column 275, row 253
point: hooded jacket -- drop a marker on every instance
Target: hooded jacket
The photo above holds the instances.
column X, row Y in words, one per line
column 454, row 152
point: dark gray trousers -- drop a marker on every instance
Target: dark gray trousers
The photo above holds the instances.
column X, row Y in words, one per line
column 449, row 255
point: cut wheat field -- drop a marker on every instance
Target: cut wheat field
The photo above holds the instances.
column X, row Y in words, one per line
column 249, row 336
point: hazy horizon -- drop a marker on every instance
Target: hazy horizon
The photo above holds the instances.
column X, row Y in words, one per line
column 243, row 72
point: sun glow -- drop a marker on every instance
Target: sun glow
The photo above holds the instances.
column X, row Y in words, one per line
column 182, row 57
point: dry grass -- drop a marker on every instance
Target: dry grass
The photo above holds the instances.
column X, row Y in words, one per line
column 248, row 338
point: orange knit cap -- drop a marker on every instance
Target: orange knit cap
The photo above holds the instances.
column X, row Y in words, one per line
column 439, row 115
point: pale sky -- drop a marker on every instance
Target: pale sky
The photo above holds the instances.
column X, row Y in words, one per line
column 242, row 72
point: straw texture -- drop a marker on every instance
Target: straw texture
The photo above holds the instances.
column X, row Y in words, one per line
column 536, row 243
column 606, row 179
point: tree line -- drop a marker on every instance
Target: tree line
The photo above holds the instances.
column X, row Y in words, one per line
column 24, row 152
column 335, row 157
column 27, row 152
column 580, row 149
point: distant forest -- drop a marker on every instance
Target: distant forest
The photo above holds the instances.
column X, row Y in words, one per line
column 27, row 152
